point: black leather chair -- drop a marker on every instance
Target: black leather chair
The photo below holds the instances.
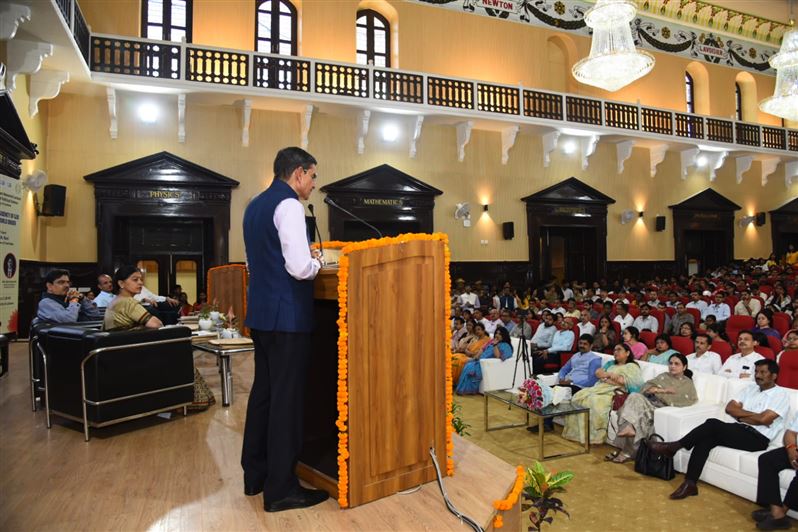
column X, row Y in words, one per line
column 100, row 378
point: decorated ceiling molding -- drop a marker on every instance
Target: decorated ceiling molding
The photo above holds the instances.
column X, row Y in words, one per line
column 727, row 37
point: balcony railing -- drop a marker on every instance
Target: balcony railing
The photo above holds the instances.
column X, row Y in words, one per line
column 74, row 19
column 186, row 62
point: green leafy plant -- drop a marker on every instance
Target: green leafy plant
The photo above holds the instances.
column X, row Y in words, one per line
column 539, row 489
column 205, row 312
column 459, row 426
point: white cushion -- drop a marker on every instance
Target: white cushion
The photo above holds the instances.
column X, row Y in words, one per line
column 749, row 463
column 727, row 457
column 673, row 423
column 709, row 388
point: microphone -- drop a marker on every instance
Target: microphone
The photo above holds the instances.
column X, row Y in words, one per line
column 316, row 225
column 331, row 203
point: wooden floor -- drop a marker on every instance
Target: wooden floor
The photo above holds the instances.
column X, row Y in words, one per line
column 184, row 473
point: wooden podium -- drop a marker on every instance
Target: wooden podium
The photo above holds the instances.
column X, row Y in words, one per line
column 395, row 317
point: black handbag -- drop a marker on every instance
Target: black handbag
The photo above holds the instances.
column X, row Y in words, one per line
column 647, row 462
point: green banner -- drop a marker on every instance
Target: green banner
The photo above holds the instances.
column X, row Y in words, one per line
column 10, row 209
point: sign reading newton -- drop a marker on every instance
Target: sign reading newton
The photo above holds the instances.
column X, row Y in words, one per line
column 10, row 208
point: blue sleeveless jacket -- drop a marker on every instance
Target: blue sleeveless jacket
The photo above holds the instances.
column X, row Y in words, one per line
column 275, row 300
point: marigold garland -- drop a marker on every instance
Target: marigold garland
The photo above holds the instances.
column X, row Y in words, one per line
column 512, row 498
column 343, row 349
column 330, row 244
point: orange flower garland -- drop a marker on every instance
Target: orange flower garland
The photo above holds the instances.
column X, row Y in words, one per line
column 330, row 244
column 343, row 350
column 512, row 498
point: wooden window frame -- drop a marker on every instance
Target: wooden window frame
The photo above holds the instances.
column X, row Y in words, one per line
column 690, row 85
column 167, row 20
column 369, row 52
column 738, row 101
column 274, row 44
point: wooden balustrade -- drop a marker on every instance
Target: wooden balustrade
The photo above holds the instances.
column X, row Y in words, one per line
column 283, row 73
column 342, row 80
column 135, row 58
column 497, row 99
column 620, row 115
column 690, row 126
column 450, row 93
column 773, row 138
column 539, row 104
column 583, row 110
column 398, row 86
column 656, row 121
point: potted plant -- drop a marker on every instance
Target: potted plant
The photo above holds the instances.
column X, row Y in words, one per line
column 539, row 489
column 204, row 319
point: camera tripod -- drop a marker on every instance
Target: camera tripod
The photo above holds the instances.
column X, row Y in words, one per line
column 522, row 354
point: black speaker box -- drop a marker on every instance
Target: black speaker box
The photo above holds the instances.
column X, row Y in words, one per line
column 54, row 200
column 660, row 220
column 508, row 230
column 761, row 218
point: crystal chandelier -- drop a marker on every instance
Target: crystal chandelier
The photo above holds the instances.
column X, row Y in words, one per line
column 784, row 102
column 614, row 61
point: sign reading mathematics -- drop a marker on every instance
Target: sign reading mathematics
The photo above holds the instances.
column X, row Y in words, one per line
column 10, row 208
column 648, row 33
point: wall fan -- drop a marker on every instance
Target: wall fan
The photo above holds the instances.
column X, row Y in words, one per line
column 35, row 181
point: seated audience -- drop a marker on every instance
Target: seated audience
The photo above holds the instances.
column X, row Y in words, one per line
column 687, row 330
column 474, row 344
column 467, row 337
column 747, row 306
column 790, row 343
column 605, row 336
column 716, row 332
column 522, row 327
column 561, row 342
column 680, row 318
column 623, row 373
column 458, row 332
column 759, row 411
column 106, row 294
column 125, row 313
column 631, row 337
column 623, row 318
column 491, row 321
column 202, row 300
column 185, row 307
column 779, row 301
column 545, row 333
column 663, row 349
column 585, row 325
column 768, row 488
column 469, row 299
column 62, row 304
column 636, row 416
column 645, row 321
column 741, row 365
column 764, row 325
column 704, row 360
column 580, row 370
column 471, row 375
column 697, row 303
column 506, row 321
column 717, row 308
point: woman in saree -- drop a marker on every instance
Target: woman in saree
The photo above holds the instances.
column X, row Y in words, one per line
column 636, row 416
column 125, row 313
column 623, row 373
column 469, row 348
column 663, row 349
column 605, row 335
column 471, row 376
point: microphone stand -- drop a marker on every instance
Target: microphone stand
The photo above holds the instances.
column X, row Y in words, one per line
column 331, row 203
column 316, row 226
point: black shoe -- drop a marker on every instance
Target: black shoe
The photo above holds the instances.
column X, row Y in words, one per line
column 688, row 488
column 251, row 491
column 760, row 515
column 771, row 523
column 302, row 498
column 546, row 428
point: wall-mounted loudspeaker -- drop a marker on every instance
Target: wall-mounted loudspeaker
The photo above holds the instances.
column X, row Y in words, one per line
column 760, row 219
column 54, row 200
column 508, row 230
column 660, row 220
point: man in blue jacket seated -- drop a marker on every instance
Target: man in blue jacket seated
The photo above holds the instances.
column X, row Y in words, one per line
column 579, row 372
column 62, row 304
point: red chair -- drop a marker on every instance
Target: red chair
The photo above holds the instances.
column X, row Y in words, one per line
column 735, row 324
column 683, row 344
column 670, row 310
column 724, row 349
column 731, row 301
column 781, row 322
column 660, row 319
column 648, row 338
column 634, row 311
column 765, row 352
column 765, row 289
column 788, row 369
column 775, row 344
column 617, row 327
column 733, row 337
column 696, row 315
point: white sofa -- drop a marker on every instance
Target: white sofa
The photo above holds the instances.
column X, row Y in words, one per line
column 498, row 374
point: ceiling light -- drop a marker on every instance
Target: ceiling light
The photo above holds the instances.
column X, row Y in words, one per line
column 390, row 132
column 569, row 146
column 148, row 113
column 614, row 62
column 784, row 102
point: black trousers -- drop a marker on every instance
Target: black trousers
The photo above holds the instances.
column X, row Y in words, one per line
column 538, row 361
column 767, row 487
column 714, row 432
column 273, row 432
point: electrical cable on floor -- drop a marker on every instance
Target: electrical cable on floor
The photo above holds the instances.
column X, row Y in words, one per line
column 409, row 491
column 464, row 518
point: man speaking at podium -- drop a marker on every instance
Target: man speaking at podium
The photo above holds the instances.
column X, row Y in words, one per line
column 280, row 314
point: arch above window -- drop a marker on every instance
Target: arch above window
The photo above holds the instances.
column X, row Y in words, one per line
column 747, row 101
column 372, row 38
column 167, row 20
column 700, row 83
column 275, row 27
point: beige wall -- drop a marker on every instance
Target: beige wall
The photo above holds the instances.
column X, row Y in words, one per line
column 501, row 51
column 79, row 144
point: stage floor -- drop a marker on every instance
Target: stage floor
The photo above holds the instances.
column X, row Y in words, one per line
column 184, row 473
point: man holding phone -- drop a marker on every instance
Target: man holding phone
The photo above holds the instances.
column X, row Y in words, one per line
column 61, row 303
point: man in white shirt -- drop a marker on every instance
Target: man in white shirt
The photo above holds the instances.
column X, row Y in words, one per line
column 458, row 331
column 492, row 321
column 545, row 332
column 697, row 303
column 146, row 297
column 768, row 493
column 106, row 295
column 483, row 320
column 718, row 308
column 741, row 365
column 645, row 321
column 469, row 299
column 653, row 300
column 561, row 342
column 567, row 292
column 747, row 306
column 624, row 318
column 759, row 411
column 585, row 325
column 704, row 360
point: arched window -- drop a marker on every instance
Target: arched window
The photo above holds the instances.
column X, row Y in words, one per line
column 689, row 92
column 738, row 102
column 275, row 27
column 373, row 39
column 167, row 20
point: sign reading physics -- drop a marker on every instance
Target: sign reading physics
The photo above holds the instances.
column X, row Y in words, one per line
column 10, row 208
